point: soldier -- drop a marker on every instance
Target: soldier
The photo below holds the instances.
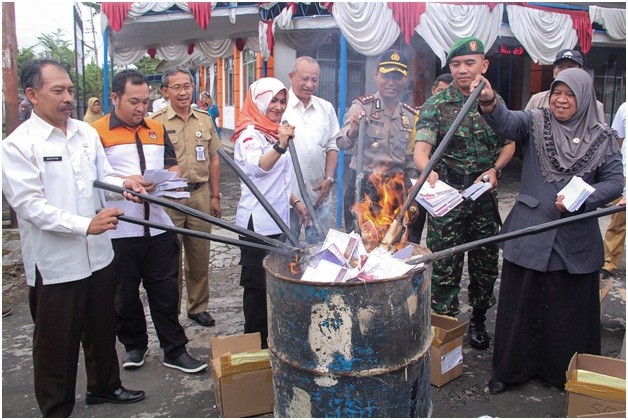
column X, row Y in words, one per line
column 388, row 144
column 474, row 153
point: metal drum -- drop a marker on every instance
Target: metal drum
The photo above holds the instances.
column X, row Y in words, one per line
column 349, row 349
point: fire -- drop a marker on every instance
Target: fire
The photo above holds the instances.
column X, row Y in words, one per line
column 375, row 217
column 295, row 268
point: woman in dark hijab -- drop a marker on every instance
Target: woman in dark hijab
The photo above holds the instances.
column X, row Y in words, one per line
column 549, row 304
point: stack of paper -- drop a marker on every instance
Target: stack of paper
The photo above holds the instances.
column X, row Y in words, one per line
column 166, row 183
column 439, row 200
column 576, row 192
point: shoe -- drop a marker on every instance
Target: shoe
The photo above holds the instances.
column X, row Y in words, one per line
column 496, row 386
column 6, row 312
column 134, row 358
column 119, row 396
column 185, row 363
column 478, row 337
column 605, row 274
column 203, row 319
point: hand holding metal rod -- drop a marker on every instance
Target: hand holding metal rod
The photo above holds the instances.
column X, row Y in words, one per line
column 260, row 197
column 192, row 212
column 302, row 188
column 394, row 232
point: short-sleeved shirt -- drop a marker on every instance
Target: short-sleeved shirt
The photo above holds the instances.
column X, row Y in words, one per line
column 198, row 131
column 474, row 146
column 388, row 143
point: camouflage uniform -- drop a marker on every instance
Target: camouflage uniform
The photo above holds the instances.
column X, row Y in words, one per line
column 473, row 150
column 388, row 147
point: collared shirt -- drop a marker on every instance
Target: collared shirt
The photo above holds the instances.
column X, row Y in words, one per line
column 121, row 149
column 388, row 144
column 316, row 128
column 275, row 185
column 160, row 103
column 185, row 136
column 48, row 179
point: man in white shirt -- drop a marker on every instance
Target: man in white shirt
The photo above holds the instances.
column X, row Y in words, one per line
column 49, row 165
column 316, row 127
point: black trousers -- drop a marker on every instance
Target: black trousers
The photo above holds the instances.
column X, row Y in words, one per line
column 66, row 315
column 415, row 227
column 154, row 262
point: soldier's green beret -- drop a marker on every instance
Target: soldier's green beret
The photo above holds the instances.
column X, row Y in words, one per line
column 465, row 46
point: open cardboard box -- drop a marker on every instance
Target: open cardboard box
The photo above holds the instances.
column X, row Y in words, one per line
column 585, row 399
column 242, row 389
column 446, row 349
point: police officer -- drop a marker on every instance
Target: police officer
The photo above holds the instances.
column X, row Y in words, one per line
column 474, row 154
column 388, row 144
column 196, row 143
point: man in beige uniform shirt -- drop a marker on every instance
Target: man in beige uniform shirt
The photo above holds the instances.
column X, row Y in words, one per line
column 196, row 144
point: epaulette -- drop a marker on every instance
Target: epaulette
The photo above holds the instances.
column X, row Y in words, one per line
column 158, row 112
column 409, row 108
column 366, row 99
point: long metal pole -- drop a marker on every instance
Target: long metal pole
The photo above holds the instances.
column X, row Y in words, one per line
column 531, row 230
column 394, row 231
column 192, row 212
column 256, row 192
column 342, row 104
column 208, row 236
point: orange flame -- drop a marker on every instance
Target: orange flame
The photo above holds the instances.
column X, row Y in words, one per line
column 295, row 268
column 375, row 217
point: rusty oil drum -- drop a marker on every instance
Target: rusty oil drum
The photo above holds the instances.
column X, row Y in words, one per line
column 349, row 349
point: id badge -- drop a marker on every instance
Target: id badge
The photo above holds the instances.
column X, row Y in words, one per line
column 200, row 153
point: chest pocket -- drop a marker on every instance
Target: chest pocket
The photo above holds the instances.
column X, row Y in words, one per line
column 376, row 131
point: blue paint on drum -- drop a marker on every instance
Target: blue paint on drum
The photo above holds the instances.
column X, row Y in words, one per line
column 349, row 349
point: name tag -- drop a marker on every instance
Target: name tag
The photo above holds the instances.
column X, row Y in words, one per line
column 171, row 131
column 52, row 158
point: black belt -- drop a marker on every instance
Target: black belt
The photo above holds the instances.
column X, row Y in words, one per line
column 193, row 186
column 462, row 181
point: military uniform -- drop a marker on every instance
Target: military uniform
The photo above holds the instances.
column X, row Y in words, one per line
column 388, row 146
column 195, row 142
column 472, row 151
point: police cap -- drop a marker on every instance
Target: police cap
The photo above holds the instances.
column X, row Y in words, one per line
column 393, row 60
column 465, row 46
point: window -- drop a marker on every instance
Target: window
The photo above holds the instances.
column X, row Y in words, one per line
column 610, row 88
column 229, row 87
column 248, row 69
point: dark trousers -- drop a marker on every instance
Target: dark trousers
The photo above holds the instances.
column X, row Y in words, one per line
column 66, row 315
column 154, row 262
column 415, row 226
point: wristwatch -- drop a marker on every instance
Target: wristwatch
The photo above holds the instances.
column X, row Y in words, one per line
column 279, row 149
column 330, row 179
column 498, row 172
column 219, row 196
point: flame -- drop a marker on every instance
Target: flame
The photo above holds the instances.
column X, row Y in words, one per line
column 295, row 268
column 375, row 217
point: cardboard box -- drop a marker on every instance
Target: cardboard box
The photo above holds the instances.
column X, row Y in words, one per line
column 446, row 349
column 589, row 399
column 242, row 389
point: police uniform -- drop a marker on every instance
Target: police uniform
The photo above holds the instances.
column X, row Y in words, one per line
column 388, row 144
column 473, row 150
column 195, row 143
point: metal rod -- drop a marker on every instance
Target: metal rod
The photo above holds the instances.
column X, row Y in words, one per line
column 301, row 182
column 192, row 212
column 260, row 197
column 412, row 193
column 531, row 230
column 203, row 235
column 359, row 166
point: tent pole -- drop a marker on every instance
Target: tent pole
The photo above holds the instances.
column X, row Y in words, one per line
column 342, row 104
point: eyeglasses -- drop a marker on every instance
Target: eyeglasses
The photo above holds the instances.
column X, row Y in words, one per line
column 177, row 88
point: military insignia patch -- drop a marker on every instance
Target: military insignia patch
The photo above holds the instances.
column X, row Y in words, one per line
column 473, row 46
column 152, row 135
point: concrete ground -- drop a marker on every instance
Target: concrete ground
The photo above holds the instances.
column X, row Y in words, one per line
column 170, row 393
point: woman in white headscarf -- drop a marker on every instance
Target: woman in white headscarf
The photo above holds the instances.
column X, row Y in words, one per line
column 549, row 304
column 261, row 151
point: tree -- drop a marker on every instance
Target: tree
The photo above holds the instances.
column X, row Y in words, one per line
column 147, row 65
column 24, row 55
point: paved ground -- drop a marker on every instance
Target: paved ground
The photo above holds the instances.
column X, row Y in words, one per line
column 174, row 394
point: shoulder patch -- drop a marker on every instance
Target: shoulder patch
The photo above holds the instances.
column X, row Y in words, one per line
column 409, row 108
column 365, row 99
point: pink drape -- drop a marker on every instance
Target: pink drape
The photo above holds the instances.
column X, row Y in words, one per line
column 202, row 13
column 407, row 15
column 116, row 13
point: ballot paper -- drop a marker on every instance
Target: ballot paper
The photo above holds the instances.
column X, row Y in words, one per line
column 476, row 190
column 166, row 183
column 380, row 265
column 576, row 192
column 346, row 242
column 439, row 200
column 158, row 175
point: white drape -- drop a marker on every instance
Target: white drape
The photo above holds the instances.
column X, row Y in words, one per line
column 368, row 27
column 612, row 20
column 126, row 57
column 141, row 8
column 303, row 39
column 215, row 48
column 542, row 33
column 443, row 24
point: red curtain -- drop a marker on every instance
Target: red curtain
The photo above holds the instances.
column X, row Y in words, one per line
column 116, row 13
column 202, row 13
column 407, row 16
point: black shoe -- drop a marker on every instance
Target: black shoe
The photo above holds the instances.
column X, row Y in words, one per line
column 134, row 358
column 6, row 311
column 496, row 386
column 203, row 319
column 605, row 274
column 478, row 337
column 119, row 396
column 185, row 363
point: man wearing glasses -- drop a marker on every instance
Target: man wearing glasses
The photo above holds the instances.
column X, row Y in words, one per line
column 196, row 143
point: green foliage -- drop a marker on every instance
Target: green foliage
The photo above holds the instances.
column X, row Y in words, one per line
column 147, row 65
